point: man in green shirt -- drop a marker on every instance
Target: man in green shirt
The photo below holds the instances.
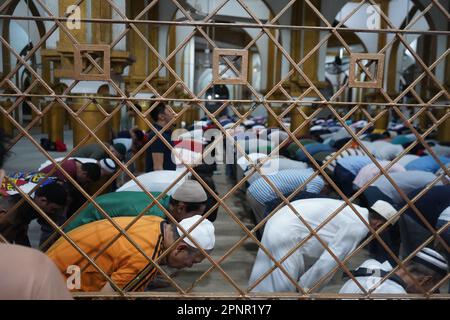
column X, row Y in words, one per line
column 189, row 199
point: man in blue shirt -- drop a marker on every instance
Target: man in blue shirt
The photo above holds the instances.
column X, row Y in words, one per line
column 260, row 193
column 158, row 155
column 426, row 163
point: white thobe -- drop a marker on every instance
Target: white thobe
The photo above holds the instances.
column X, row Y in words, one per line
column 285, row 230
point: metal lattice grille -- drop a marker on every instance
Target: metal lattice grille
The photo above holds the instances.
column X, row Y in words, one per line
column 43, row 99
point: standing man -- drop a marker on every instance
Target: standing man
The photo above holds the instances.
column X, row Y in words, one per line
column 285, row 230
column 158, row 155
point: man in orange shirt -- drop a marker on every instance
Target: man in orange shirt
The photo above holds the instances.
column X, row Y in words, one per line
column 122, row 262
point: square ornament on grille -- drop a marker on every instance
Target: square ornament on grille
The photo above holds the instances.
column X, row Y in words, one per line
column 96, row 52
column 230, row 66
column 372, row 68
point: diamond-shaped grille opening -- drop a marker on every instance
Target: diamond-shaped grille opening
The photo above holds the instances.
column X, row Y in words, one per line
column 92, row 52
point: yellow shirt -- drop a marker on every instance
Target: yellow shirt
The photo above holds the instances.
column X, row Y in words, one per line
column 121, row 261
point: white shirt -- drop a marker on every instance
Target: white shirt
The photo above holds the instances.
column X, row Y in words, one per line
column 383, row 150
column 285, row 230
column 155, row 181
column 371, row 170
column 368, row 283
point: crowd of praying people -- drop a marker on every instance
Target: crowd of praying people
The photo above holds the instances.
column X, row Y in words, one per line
column 314, row 201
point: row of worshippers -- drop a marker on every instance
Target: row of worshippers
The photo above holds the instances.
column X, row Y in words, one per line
column 184, row 200
column 122, row 261
column 90, row 166
column 351, row 167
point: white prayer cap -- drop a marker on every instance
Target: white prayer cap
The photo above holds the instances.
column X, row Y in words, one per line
column 433, row 260
column 108, row 165
column 258, row 127
column 190, row 191
column 203, row 233
column 385, row 209
column 249, row 122
column 228, row 125
column 316, row 127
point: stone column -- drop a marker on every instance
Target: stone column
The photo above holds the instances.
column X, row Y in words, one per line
column 91, row 116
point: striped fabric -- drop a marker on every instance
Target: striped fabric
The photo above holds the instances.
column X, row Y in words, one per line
column 345, row 153
column 286, row 181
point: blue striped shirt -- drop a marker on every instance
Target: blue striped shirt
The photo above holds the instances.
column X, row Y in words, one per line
column 286, row 181
column 354, row 163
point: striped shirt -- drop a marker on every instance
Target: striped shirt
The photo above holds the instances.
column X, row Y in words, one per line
column 355, row 163
column 286, row 181
column 342, row 154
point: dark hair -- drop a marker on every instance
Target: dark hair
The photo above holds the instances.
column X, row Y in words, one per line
column 92, row 169
column 156, row 111
column 190, row 206
column 54, row 192
column 139, row 134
